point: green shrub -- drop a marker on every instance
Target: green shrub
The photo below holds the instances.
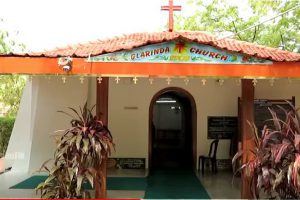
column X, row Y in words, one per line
column 6, row 127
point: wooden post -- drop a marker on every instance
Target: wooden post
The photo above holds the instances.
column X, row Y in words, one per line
column 247, row 114
column 102, row 100
column 102, row 114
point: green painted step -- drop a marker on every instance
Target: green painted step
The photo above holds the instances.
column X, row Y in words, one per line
column 113, row 183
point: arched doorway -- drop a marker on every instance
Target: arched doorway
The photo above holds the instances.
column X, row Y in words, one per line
column 172, row 129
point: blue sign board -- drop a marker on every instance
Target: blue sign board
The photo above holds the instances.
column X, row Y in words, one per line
column 178, row 51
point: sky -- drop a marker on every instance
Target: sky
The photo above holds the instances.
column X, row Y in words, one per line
column 46, row 24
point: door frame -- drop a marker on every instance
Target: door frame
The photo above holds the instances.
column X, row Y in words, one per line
column 194, row 121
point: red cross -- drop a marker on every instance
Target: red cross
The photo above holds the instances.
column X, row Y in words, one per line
column 171, row 8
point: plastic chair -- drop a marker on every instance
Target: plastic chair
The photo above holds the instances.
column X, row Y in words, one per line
column 211, row 157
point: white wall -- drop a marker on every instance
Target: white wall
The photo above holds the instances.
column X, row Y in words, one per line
column 54, row 95
column 18, row 150
column 130, row 126
column 282, row 89
column 38, row 119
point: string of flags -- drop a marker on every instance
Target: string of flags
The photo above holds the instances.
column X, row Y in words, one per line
column 169, row 80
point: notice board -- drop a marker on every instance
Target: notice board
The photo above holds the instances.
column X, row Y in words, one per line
column 221, row 127
column 262, row 113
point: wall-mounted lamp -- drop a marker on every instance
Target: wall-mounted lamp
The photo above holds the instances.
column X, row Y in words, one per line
column 65, row 63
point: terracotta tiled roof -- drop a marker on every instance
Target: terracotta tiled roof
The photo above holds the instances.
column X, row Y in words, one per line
column 127, row 42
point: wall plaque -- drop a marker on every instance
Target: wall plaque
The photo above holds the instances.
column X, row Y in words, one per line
column 222, row 127
column 127, row 163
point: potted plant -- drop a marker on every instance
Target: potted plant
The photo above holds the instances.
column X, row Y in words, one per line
column 274, row 169
column 78, row 156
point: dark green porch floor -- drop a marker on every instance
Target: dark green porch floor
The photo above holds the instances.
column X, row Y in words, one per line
column 174, row 184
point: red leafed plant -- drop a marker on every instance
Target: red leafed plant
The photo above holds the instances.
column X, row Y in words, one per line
column 274, row 169
column 77, row 158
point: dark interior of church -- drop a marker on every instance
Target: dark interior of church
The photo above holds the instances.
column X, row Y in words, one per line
column 172, row 132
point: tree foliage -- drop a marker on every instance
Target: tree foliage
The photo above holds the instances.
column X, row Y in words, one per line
column 6, row 127
column 11, row 90
column 11, row 86
column 222, row 17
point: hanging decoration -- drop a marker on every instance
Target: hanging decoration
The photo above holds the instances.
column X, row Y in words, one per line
column 186, row 81
column 117, row 79
column 254, row 81
column 64, row 79
column 135, row 79
column 99, row 79
column 203, row 82
column 81, row 79
column 151, row 81
column 221, row 82
column 48, row 78
column 272, row 82
column 168, row 80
